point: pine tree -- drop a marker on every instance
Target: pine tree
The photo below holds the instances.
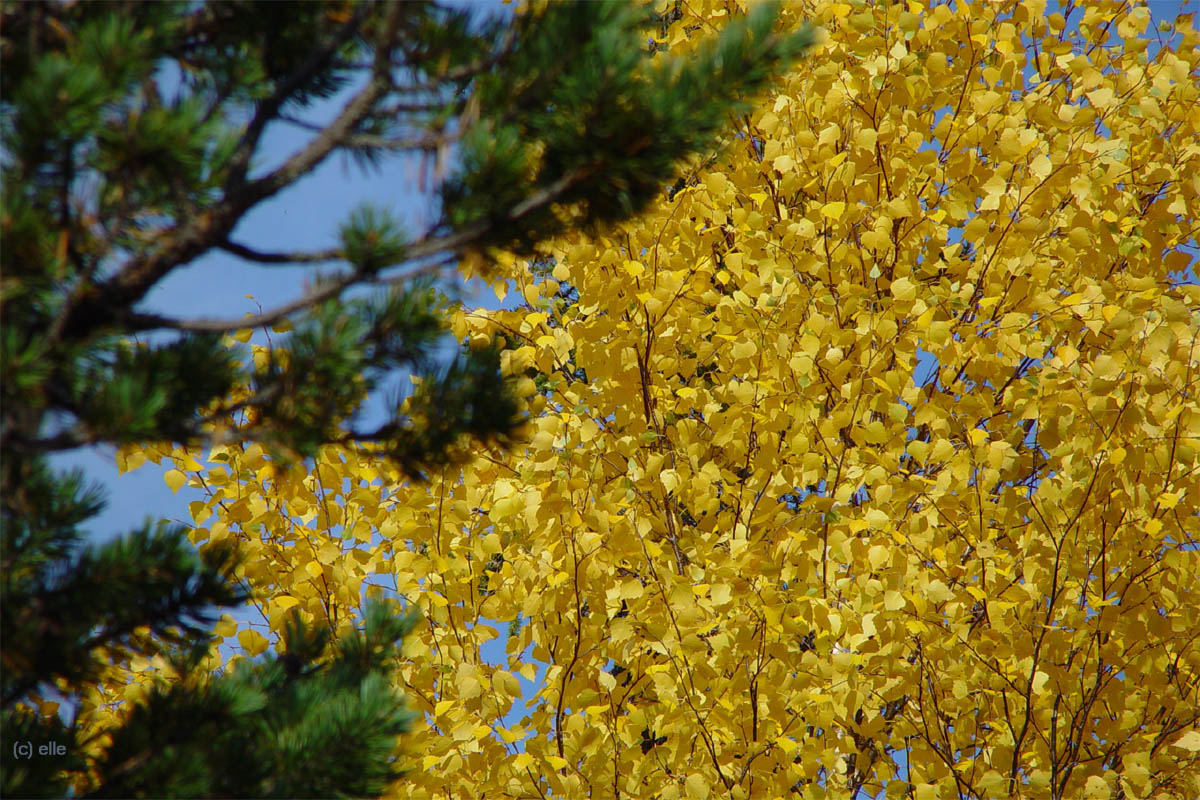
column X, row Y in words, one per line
column 131, row 138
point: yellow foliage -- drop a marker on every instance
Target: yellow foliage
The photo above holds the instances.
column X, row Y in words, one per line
column 878, row 447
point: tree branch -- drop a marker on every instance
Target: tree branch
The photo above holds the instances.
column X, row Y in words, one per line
column 94, row 307
column 143, row 322
column 70, row 439
column 337, row 131
column 268, row 111
column 301, row 123
column 428, row 246
column 415, row 107
column 241, row 251
column 424, row 142
column 98, row 306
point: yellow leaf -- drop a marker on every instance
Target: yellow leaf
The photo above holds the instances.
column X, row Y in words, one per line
column 1169, row 500
column 129, row 458
column 199, row 511
column 329, row 552
column 991, row 201
column 175, row 479
column 1041, row 167
column 252, row 642
column 226, row 627
column 468, row 682
column 903, row 289
column 522, row 761
column 1190, row 741
column 833, row 210
column 1101, row 98
column 744, row 349
column 506, row 683
column 286, row 601
column 716, row 184
column 442, row 707
column 510, row 735
column 1096, row 789
column 987, row 102
column 787, row 744
column 697, row 786
column 862, row 22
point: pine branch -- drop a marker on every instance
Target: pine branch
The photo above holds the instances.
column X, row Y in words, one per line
column 318, row 256
column 432, row 141
column 460, row 240
column 268, row 111
column 98, row 306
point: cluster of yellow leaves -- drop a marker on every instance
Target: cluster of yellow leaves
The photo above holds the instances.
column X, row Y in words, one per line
column 106, row 704
column 823, row 499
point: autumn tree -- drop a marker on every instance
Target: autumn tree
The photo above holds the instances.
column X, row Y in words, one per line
column 133, row 143
column 863, row 464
